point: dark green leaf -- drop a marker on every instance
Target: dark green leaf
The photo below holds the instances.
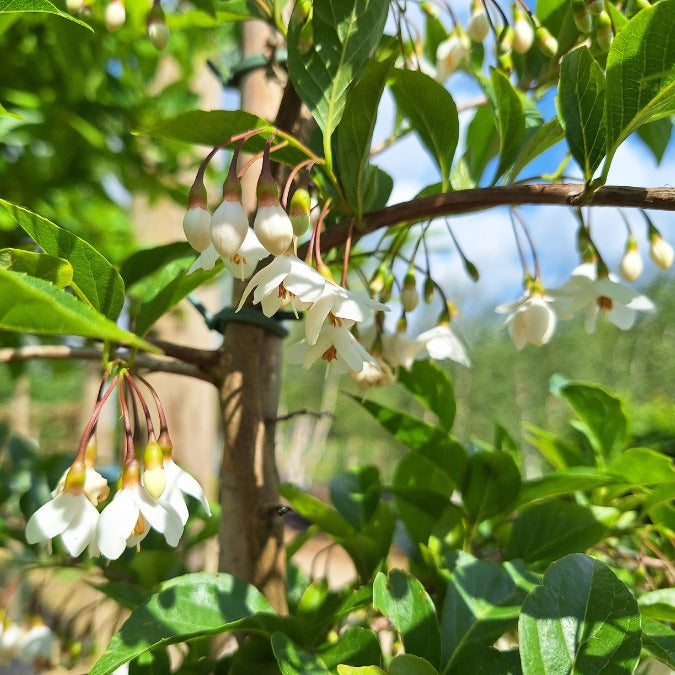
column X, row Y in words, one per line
column 567, row 481
column 44, row 6
column 32, row 305
column 659, row 640
column 409, row 664
column 582, row 619
column 642, row 466
column 48, row 267
column 355, row 647
column 491, row 485
column 354, row 133
column 403, row 600
column 147, row 261
column 293, row 660
column 315, row 510
column 356, row 494
column 558, row 453
column 378, row 187
column 488, row 662
column 482, row 141
column 432, row 113
column 544, row 138
column 345, row 33
column 659, row 604
column 151, row 663
column 190, row 606
column 126, row 594
column 656, row 136
column 581, row 104
column 94, row 276
column 433, row 387
column 554, row 528
column 510, row 117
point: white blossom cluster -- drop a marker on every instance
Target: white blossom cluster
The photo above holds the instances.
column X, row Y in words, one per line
column 30, row 644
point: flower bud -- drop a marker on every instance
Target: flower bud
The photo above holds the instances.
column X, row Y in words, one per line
column 660, row 251
column 523, row 33
column 131, row 474
column 115, row 15
column 604, row 34
column 402, row 324
column 229, row 223
column 479, row 24
column 165, row 443
column 631, row 263
column 158, row 31
column 505, row 40
column 595, row 7
column 429, row 289
column 377, row 281
column 385, row 293
column 409, row 296
column 272, row 225
column 582, row 18
column 299, row 212
column 448, row 314
column 547, row 44
column 154, row 476
column 197, row 219
column 74, row 6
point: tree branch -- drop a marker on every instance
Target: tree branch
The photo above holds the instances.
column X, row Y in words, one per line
column 62, row 352
column 478, row 199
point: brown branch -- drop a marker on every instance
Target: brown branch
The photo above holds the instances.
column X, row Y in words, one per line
column 62, row 352
column 478, row 199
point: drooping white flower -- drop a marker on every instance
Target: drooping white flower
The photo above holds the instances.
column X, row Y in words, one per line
column 530, row 319
column 179, row 482
column 37, row 642
column 661, row 252
column 631, row 264
column 95, row 486
column 451, row 54
column 197, row 227
column 229, row 226
column 206, row 260
column 130, row 515
column 336, row 346
column 523, row 35
column 10, row 640
column 115, row 15
column 273, row 228
column 377, row 374
column 606, row 295
column 479, row 24
column 438, row 343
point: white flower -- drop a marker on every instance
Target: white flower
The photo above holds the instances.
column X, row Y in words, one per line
column 335, row 345
column 73, row 516
column 197, row 228
column 451, row 54
column 158, row 32
column 523, row 35
column 661, row 252
column 206, row 260
column 631, row 264
column 241, row 265
column 530, row 319
column 229, row 226
column 438, row 343
column 128, row 518
column 273, row 228
column 115, row 15
column 10, row 639
column 617, row 301
column 178, row 482
column 377, row 374
column 479, row 25
column 36, row 642
column 95, row 486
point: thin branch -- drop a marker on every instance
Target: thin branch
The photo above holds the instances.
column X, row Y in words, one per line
column 62, row 352
column 298, row 413
column 479, row 199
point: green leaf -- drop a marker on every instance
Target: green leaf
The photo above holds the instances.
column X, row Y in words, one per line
column 293, row 660
column 44, row 6
column 409, row 664
column 432, row 113
column 357, row 646
column 124, row 593
column 170, row 296
column 360, row 670
column 32, row 305
column 656, row 136
column 603, row 420
column 48, row 267
column 564, row 482
column 659, row 604
column 556, row 451
column 430, row 384
column 356, row 494
column 315, row 510
column 482, row 141
column 403, row 600
column 481, row 603
column 355, row 132
column 378, row 187
column 581, row 104
column 93, row 275
column 7, row 113
column 510, row 117
column 190, row 606
column 553, row 529
column 544, row 138
column 581, row 619
column 345, row 33
column 491, row 485
column 642, row 466
column 147, row 261
column 640, row 74
column 488, row 662
column 659, row 640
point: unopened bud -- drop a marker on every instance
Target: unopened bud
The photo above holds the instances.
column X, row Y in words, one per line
column 299, row 212
column 158, row 31
column 582, row 18
column 604, row 33
column 631, row 263
column 660, row 251
column 429, row 289
column 547, row 44
column 523, row 32
column 154, row 476
column 197, row 224
column 595, row 7
column 272, row 225
column 75, row 478
column 448, row 313
column 385, row 293
column 131, row 473
column 471, row 270
column 74, row 6
column 115, row 15
column 402, row 324
column 479, row 24
column 409, row 296
column 377, row 281
column 229, row 226
column 164, row 441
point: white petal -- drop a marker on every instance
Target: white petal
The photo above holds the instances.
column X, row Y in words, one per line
column 316, row 315
column 591, row 318
column 162, row 519
column 82, row 530
column 642, row 303
column 517, row 330
column 348, row 349
column 258, row 278
column 206, row 261
column 304, row 281
column 173, row 498
column 271, row 304
column 621, row 316
column 53, row 518
column 116, row 523
column 540, row 321
column 190, row 485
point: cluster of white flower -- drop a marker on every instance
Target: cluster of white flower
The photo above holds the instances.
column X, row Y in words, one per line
column 33, row 644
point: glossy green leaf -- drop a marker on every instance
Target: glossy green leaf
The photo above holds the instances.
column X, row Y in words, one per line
column 355, row 494
column 482, row 142
column 377, row 189
column 48, row 267
column 315, row 510
column 581, row 619
column 642, row 466
column 293, row 660
column 357, row 646
column 93, row 275
column 403, row 600
column 602, row 418
column 32, row 305
column 564, row 482
column 147, row 261
column 659, row 640
column 409, row 664
column 659, row 604
column 548, row 135
column 360, row 670
column 510, row 118
column 344, row 35
column 491, row 485
column 481, row 603
column 558, row 453
column 7, row 113
column 353, row 135
column 552, row 529
column 190, row 606
column 433, row 387
column 170, row 296
column 42, row 6
column 641, row 73
column 432, row 113
column 581, row 105
column 656, row 136
column 488, row 661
